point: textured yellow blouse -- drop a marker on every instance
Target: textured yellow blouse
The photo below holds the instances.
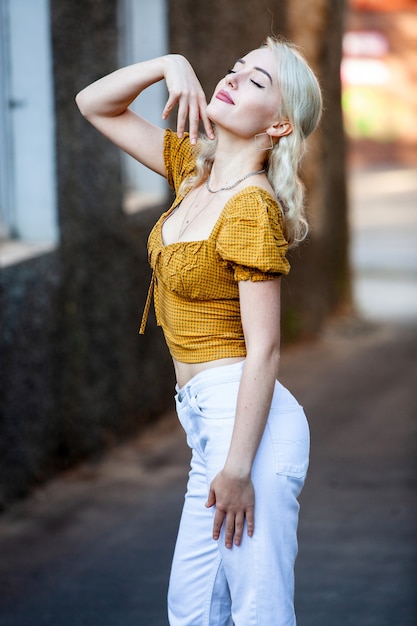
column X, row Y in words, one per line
column 196, row 282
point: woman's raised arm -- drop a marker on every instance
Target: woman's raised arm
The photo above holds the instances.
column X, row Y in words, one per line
column 105, row 103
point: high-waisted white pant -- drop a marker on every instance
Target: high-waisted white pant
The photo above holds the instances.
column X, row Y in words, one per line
column 253, row 584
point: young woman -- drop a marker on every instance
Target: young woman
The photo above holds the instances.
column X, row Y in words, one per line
column 218, row 254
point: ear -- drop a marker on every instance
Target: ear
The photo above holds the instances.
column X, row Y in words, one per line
column 280, row 129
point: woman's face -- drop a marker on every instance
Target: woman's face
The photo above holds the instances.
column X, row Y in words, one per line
column 246, row 100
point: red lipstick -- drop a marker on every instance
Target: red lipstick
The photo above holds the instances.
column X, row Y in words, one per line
column 224, row 96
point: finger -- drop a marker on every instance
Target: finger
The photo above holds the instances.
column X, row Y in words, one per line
column 239, row 525
column 217, row 523
column 211, row 499
column 229, row 530
column 250, row 521
column 208, row 127
column 194, row 120
column 171, row 102
column 182, row 116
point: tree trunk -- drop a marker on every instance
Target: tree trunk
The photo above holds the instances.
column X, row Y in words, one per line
column 319, row 283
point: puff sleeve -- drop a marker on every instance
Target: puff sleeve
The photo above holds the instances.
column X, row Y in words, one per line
column 179, row 158
column 251, row 239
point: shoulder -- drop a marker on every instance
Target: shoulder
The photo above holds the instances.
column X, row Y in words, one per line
column 173, row 143
column 254, row 203
column 251, row 232
column 179, row 157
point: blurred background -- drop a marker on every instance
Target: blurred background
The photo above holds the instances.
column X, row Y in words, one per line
column 379, row 102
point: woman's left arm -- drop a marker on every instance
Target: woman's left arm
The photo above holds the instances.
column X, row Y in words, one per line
column 232, row 490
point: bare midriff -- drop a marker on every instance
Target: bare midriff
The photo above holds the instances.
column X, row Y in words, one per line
column 186, row 371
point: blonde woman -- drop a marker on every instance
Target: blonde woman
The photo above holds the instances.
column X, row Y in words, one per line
column 218, row 255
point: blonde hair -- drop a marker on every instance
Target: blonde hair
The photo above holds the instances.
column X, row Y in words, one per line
column 301, row 104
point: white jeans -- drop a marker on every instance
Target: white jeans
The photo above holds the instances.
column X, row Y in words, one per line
column 253, row 584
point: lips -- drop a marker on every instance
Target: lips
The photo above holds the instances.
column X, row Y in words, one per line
column 224, row 97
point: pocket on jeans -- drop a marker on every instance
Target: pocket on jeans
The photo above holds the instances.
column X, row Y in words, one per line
column 218, row 403
column 289, row 433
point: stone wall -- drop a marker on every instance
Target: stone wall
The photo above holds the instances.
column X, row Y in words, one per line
column 75, row 375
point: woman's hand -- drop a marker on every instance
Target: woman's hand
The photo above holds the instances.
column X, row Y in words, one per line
column 185, row 90
column 234, row 498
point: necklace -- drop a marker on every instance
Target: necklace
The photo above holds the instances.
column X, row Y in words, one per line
column 234, row 184
column 185, row 224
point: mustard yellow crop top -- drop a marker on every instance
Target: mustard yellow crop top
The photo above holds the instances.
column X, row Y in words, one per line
column 196, row 282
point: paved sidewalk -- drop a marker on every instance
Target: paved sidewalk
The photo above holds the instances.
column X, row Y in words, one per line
column 93, row 547
column 383, row 220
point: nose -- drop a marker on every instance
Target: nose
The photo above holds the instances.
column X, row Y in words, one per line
column 231, row 80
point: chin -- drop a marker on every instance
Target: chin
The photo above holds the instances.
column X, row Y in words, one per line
column 211, row 111
column 215, row 110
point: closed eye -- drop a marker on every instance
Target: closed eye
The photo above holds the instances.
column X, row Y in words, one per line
column 231, row 71
column 257, row 84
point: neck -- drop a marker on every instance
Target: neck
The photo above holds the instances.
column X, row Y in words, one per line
column 234, row 159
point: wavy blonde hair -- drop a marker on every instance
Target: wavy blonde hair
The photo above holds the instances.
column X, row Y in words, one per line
column 301, row 104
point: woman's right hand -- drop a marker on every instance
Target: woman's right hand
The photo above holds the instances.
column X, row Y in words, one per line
column 234, row 498
column 105, row 103
column 185, row 90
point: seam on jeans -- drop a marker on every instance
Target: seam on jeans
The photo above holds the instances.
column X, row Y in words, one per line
column 255, row 573
column 210, row 587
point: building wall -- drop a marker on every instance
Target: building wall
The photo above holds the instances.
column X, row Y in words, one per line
column 75, row 375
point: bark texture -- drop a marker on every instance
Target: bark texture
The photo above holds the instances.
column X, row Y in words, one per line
column 319, row 284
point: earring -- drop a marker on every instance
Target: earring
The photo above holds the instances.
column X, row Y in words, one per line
column 259, row 141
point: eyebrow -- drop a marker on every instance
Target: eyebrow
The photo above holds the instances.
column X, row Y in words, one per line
column 260, row 69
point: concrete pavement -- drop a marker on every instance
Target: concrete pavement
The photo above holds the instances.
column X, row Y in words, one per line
column 383, row 219
column 93, row 547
